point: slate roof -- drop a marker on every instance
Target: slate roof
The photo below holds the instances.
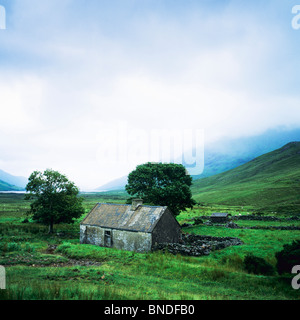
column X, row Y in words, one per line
column 122, row 217
column 220, row 215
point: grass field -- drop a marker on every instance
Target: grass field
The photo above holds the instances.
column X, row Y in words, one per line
column 84, row 272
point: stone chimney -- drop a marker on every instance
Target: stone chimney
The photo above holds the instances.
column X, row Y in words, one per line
column 136, row 203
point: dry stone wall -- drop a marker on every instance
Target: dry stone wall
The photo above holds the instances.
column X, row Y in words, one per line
column 196, row 245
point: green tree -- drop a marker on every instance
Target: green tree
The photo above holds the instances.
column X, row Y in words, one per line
column 288, row 257
column 162, row 184
column 55, row 198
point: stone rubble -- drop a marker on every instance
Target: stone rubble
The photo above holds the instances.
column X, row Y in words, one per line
column 197, row 245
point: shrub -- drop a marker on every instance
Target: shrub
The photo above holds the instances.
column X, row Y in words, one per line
column 64, row 247
column 13, row 246
column 3, row 248
column 29, row 247
column 16, row 247
column 288, row 257
column 257, row 265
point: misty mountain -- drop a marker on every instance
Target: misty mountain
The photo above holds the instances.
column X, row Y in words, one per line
column 10, row 180
column 4, row 186
column 269, row 182
column 228, row 153
column 117, row 184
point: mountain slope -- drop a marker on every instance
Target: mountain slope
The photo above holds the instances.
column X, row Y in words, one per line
column 13, row 180
column 271, row 181
column 4, row 186
column 227, row 154
column 118, row 184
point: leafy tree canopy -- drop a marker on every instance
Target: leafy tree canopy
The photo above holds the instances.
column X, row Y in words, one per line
column 55, row 198
column 162, row 184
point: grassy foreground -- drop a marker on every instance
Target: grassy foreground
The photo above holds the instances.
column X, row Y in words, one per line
column 56, row 267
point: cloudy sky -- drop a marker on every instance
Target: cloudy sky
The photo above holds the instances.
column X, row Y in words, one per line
column 92, row 88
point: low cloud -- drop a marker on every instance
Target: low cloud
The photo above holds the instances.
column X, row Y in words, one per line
column 71, row 77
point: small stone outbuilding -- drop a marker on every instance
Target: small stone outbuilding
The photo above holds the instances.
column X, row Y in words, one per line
column 135, row 227
column 219, row 217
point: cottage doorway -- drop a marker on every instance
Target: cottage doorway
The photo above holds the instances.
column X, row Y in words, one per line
column 108, row 239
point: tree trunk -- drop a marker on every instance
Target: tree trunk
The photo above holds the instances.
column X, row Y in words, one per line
column 51, row 227
column 51, row 219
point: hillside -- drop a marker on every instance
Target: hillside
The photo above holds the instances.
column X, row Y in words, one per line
column 269, row 182
column 13, row 180
column 4, row 186
column 227, row 154
column 118, row 184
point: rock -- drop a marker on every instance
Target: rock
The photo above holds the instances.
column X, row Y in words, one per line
column 186, row 225
column 232, row 225
column 51, row 248
column 195, row 245
column 254, row 217
column 275, row 228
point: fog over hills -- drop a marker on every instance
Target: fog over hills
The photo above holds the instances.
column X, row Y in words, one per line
column 227, row 153
column 9, row 182
column 270, row 181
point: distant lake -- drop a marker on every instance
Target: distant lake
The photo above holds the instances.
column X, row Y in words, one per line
column 20, row 192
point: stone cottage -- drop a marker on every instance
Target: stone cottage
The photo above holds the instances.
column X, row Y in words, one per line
column 134, row 227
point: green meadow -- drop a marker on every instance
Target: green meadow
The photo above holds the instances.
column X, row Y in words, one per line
column 40, row 266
